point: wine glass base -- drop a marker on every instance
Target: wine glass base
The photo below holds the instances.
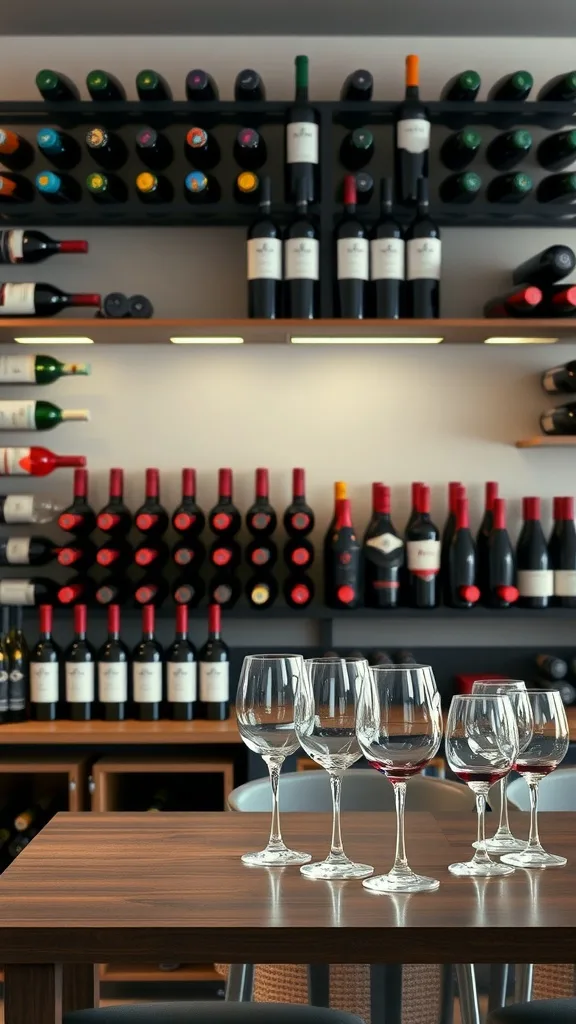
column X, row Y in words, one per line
column 502, row 844
column 275, row 858
column 535, row 858
column 479, row 869
column 334, row 870
column 401, row 882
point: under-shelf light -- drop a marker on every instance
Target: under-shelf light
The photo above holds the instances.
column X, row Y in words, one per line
column 519, row 341
column 55, row 341
column 208, row 341
column 365, row 341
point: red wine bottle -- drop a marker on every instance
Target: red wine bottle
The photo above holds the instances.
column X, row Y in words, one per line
column 77, row 590
column 301, row 262
column 152, row 87
column 200, row 86
column 189, row 554
column 343, row 568
column 27, row 551
column 79, row 518
column 261, row 518
column 151, row 555
column 383, row 551
column 152, row 590
column 535, row 577
column 298, row 591
column 41, row 300
column 299, row 554
column 264, row 260
column 261, row 590
column 520, row 302
column 224, row 519
column 387, row 259
column 18, row 668
column 147, row 671
column 224, row 589
column 214, row 665
column 188, row 589
column 117, row 555
column 562, row 553
column 78, row 556
column 45, row 671
column 152, row 518
column 115, row 518
column 484, row 531
column 113, row 671
column 79, row 662
column 547, row 267
column 299, row 517
column 30, row 246
column 414, row 507
column 113, row 590
column 423, row 261
column 558, row 300
column 423, row 555
column 301, row 141
column 249, row 87
column 35, row 461
column 153, row 148
column 261, row 554
column 352, row 257
column 181, row 670
column 188, row 518
column 225, row 554
column 340, row 492
column 461, row 590
column 455, row 491
column 28, row 592
column 501, row 590
column 412, row 138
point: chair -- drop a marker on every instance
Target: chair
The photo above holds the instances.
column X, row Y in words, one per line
column 210, row 1013
column 547, row 1011
column 557, row 792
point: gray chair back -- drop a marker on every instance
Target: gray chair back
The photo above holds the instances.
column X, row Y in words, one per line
column 557, row 792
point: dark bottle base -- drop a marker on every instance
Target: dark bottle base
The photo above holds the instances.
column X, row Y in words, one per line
column 536, row 603
column 564, row 602
column 182, row 712
column 113, row 712
column 43, row 712
column 17, row 716
column 147, row 712
column 216, row 711
column 79, row 711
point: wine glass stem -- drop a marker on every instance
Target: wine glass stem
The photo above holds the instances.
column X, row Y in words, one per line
column 336, row 848
column 274, row 767
column 481, row 856
column 533, row 838
column 503, row 824
column 400, row 862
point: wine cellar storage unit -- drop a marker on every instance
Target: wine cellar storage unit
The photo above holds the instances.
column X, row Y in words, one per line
column 157, row 784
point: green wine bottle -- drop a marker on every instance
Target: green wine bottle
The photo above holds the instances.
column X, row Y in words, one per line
column 106, row 188
column 459, row 149
column 460, row 188
column 557, row 151
column 28, row 414
column 514, row 87
column 464, row 86
column 508, row 149
column 103, row 86
column 152, row 86
column 37, row 369
column 557, row 188
column 55, row 87
column 561, row 87
column 509, row 188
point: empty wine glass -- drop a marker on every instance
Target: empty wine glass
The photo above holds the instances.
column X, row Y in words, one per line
column 265, row 711
column 547, row 747
column 326, row 728
column 399, row 729
column 481, row 748
column 503, row 841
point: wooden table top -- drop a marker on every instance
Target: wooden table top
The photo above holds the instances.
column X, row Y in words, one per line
column 104, row 887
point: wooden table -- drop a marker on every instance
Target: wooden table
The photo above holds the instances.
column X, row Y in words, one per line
column 104, row 887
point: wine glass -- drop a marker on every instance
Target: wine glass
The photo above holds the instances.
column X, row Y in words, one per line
column 399, row 729
column 265, row 711
column 547, row 747
column 503, row 841
column 481, row 748
column 326, row 728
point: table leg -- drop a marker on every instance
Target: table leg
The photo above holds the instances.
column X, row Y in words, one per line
column 240, row 983
column 32, row 993
column 80, row 987
column 523, row 986
column 469, row 1010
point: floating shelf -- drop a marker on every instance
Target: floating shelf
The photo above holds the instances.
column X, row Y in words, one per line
column 98, row 733
column 316, row 612
column 547, row 441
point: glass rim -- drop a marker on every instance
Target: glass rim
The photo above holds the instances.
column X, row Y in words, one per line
column 498, row 682
column 270, row 657
column 399, row 668
column 329, row 658
column 489, row 696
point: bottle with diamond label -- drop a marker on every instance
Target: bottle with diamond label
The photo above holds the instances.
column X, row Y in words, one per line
column 535, row 576
column 18, row 667
column 148, row 670
column 214, row 666
column 45, row 671
column 298, row 517
column 79, row 669
column 264, row 261
column 113, row 671
column 460, row 586
column 383, row 551
column 423, row 261
column 352, row 258
column 301, row 141
column 562, row 553
column 412, row 140
column 79, row 518
column 301, row 262
column 423, row 555
column 387, row 257
column 188, row 519
column 343, row 582
column 181, row 667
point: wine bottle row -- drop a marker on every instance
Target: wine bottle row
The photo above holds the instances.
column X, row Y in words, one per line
column 538, row 292
column 20, row 822
column 80, row 683
column 560, row 420
column 554, row 153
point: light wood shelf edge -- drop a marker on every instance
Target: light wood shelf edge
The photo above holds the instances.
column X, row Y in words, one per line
column 124, row 972
column 125, row 733
column 547, row 441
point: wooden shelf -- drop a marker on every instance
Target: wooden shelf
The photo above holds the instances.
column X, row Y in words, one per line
column 547, row 441
column 125, row 733
column 152, row 972
column 159, row 332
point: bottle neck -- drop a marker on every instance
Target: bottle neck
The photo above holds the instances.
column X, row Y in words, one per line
column 343, row 514
column 113, row 634
column 412, row 92
column 82, row 299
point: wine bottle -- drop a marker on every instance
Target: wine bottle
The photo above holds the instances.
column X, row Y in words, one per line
column 18, row 667
column 35, row 461
column 152, row 554
column 249, row 149
column 455, row 491
column 37, row 369
column 558, row 151
column 45, row 671
column 547, row 267
column 383, row 551
column 298, row 591
column 261, row 591
column 27, row 551
column 200, row 187
column 387, row 260
column 414, row 513
column 202, row 149
column 181, row 669
column 299, row 554
column 261, row 553
column 551, row 667
column 517, row 303
column 115, row 518
column 117, row 555
column 352, row 255
column 562, row 553
column 247, row 187
column 560, row 379
column 113, row 590
column 4, row 671
column 301, row 262
column 484, row 531
column 55, row 87
column 103, row 86
column 560, row 420
column 61, row 148
column 106, row 148
column 381, row 658
column 423, row 261
column 501, row 590
column 535, row 578
column 36, row 815
column 343, row 582
column 78, row 556
column 301, row 141
column 16, row 153
column 423, row 555
column 153, row 188
column 460, row 188
column 30, row 246
column 27, row 592
column 79, row 661
column 29, row 414
column 79, row 517
column 188, row 519
column 152, row 591
column 412, row 138
column 14, row 188
column 152, row 87
column 154, row 148
column 140, row 307
column 557, row 188
column 298, row 517
column 58, row 188
column 225, row 554
column 188, row 590
column 459, row 149
column 20, row 842
column 509, row 188
column 188, row 554
column 566, row 690
column 27, row 508
column 224, row 589
column 76, row 590
column 152, row 518
column 461, row 590
column 249, row 87
column 462, row 87
column 261, row 519
column 200, row 86
column 357, row 149
column 508, row 149
column 357, row 87
column 561, row 87
column 113, row 671
column 224, row 518
column 264, row 260
column 558, row 300
column 106, row 188
column 115, row 304
column 515, row 86
column 340, row 492
column 214, row 664
column 147, row 670
column 40, row 300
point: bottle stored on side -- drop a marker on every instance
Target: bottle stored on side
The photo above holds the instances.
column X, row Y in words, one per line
column 523, row 301
column 559, row 420
column 115, row 518
column 152, row 518
column 78, row 518
column 224, row 518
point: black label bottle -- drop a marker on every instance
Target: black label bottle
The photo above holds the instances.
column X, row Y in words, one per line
column 383, row 552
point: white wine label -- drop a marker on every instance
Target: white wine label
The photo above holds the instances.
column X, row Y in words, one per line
column 423, row 258
column 18, row 550
column 547, row 422
column 535, row 582
column 565, row 582
column 44, row 680
column 112, row 682
column 387, row 257
column 16, row 592
column 264, row 258
column 79, row 682
column 413, row 134
column 548, row 382
column 11, row 246
column 302, row 142
column 17, row 370
column 214, row 682
column 18, row 415
column 386, row 543
column 353, row 259
column 17, row 299
column 182, row 685
column 301, row 259
column 17, row 508
column 423, row 557
column 147, row 681
column 14, row 461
